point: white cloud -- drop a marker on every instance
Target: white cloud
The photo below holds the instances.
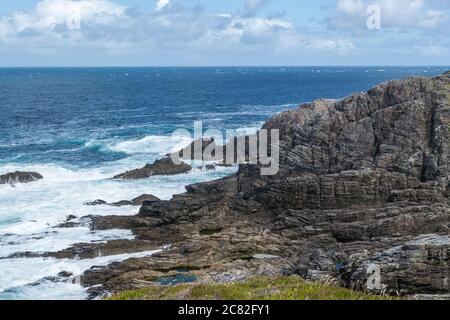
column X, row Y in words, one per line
column 161, row 4
column 251, row 7
column 340, row 46
column 172, row 29
column 50, row 15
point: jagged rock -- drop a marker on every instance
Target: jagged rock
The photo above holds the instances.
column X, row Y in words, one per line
column 360, row 180
column 65, row 274
column 121, row 203
column 138, row 201
column 201, row 149
column 97, row 202
column 422, row 263
column 70, row 222
column 164, row 166
column 92, row 250
column 208, row 150
column 20, row 177
column 113, row 247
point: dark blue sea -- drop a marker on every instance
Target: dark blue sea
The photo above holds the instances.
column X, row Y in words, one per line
column 80, row 126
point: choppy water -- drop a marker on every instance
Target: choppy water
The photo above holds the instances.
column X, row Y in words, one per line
column 79, row 127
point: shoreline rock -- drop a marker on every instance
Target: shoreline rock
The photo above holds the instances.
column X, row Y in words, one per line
column 362, row 181
column 138, row 201
column 164, row 166
column 19, row 177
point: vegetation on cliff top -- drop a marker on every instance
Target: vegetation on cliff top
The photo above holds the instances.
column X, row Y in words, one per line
column 258, row 288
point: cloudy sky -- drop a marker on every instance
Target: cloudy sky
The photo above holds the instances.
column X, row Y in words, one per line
column 224, row 32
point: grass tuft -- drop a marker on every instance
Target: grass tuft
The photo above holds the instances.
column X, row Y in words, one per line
column 258, row 288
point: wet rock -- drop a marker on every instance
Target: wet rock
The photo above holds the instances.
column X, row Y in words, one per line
column 73, row 222
column 94, row 250
column 121, row 203
column 97, row 202
column 363, row 180
column 138, row 201
column 19, row 177
column 65, row 274
column 202, row 150
column 164, row 166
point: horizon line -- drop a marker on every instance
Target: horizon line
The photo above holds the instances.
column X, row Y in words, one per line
column 230, row 66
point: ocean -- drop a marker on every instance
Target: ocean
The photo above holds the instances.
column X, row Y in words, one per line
column 78, row 127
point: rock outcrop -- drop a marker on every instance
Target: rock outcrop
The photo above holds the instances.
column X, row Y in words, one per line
column 200, row 149
column 420, row 263
column 138, row 201
column 362, row 192
column 164, row 166
column 20, row 177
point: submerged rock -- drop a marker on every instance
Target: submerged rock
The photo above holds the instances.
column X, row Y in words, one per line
column 20, row 177
column 97, row 202
column 362, row 181
column 164, row 166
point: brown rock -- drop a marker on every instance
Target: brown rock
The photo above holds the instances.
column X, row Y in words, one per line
column 160, row 167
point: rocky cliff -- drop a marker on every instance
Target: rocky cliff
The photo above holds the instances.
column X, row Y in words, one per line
column 361, row 199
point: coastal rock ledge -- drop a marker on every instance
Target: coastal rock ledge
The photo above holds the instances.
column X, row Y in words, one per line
column 362, row 191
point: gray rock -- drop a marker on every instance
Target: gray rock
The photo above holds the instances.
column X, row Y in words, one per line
column 363, row 182
column 97, row 202
column 201, row 149
column 20, row 177
column 422, row 263
column 138, row 201
column 164, row 166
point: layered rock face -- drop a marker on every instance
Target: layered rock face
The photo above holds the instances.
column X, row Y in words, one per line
column 362, row 186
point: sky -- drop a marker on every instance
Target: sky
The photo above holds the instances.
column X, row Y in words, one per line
column 224, row 32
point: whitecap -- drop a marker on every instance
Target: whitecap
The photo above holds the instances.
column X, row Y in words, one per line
column 18, row 275
column 160, row 145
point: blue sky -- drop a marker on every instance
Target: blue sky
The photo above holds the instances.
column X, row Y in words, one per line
column 231, row 32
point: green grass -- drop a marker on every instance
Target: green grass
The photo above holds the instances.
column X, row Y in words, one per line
column 258, row 288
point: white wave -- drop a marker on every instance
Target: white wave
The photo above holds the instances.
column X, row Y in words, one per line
column 30, row 212
column 57, row 173
column 56, row 239
column 35, row 207
column 18, row 274
column 248, row 131
column 160, row 145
